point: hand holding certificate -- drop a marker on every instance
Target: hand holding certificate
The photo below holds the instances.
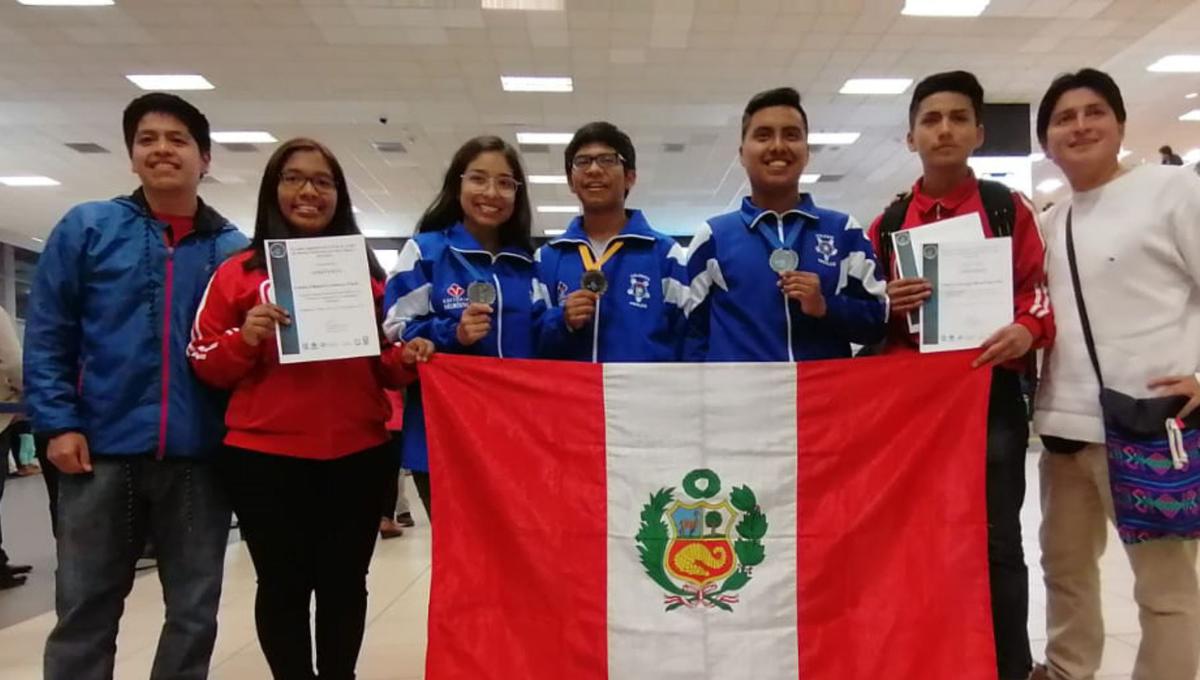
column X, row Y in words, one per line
column 909, row 242
column 324, row 284
column 972, row 293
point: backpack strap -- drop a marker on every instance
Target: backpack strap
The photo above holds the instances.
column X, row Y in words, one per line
column 999, row 205
column 889, row 223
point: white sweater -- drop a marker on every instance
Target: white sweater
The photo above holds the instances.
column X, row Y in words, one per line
column 1137, row 244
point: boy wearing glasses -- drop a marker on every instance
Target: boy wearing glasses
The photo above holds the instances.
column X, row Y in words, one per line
column 611, row 288
column 780, row 279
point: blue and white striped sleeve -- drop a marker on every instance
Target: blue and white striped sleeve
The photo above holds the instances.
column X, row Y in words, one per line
column 408, row 307
column 676, row 293
column 858, row 310
column 703, row 272
column 551, row 336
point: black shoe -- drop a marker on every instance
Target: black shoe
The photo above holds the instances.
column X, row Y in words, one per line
column 405, row 519
column 18, row 569
column 10, row 580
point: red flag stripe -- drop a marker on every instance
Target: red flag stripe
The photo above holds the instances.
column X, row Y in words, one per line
column 540, row 611
column 893, row 447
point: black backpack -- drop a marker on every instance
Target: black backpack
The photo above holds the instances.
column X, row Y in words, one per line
column 997, row 203
column 1002, row 218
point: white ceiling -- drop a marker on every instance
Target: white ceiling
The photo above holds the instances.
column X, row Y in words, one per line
column 667, row 71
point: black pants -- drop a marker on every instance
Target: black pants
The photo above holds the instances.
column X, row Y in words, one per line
column 391, row 491
column 1008, row 438
column 310, row 527
column 421, row 481
column 49, row 476
column 3, row 476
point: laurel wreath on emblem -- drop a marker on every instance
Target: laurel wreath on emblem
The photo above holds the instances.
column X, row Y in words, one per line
column 715, row 577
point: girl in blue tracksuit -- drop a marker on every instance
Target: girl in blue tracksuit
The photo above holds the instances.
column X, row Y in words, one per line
column 465, row 280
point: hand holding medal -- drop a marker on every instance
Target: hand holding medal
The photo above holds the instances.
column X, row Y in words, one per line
column 805, row 288
column 475, row 324
column 580, row 308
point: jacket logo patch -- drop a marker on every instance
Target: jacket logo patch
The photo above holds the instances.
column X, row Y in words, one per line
column 457, row 297
column 826, row 249
column 639, row 290
column 563, row 288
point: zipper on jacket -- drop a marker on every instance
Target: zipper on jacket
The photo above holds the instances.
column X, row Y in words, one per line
column 164, row 412
column 787, row 308
column 499, row 312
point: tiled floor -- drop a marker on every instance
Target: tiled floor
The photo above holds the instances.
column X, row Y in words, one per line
column 399, row 586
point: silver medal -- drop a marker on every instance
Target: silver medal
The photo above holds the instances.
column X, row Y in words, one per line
column 784, row 260
column 481, row 292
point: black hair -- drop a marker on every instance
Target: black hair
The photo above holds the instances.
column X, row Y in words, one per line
column 601, row 132
column 270, row 222
column 960, row 82
column 446, row 210
column 1166, row 150
column 172, row 105
column 780, row 96
column 1097, row 81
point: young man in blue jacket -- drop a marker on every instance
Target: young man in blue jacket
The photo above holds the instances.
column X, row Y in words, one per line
column 611, row 288
column 781, row 279
column 134, row 434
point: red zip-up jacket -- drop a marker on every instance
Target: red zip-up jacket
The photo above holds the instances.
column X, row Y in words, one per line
column 318, row 410
column 1031, row 299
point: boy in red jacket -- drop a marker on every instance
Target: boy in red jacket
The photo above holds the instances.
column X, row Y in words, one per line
column 945, row 128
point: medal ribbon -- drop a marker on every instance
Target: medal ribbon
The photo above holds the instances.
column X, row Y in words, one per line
column 774, row 240
column 593, row 265
column 473, row 271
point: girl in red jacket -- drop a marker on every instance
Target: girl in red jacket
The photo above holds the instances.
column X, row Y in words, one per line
column 307, row 448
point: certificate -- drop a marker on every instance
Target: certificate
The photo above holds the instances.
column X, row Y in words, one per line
column 972, row 293
column 324, row 283
column 908, row 242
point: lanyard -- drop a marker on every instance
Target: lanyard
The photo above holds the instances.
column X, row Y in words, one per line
column 593, row 265
column 472, row 270
column 774, row 240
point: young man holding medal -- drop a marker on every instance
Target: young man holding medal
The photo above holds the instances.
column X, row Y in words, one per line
column 945, row 127
column 780, row 279
column 610, row 288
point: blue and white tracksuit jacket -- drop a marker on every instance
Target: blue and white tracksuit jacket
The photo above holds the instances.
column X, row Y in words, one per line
column 639, row 318
column 426, row 295
column 737, row 311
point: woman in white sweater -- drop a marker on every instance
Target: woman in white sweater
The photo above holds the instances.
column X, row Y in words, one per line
column 1137, row 242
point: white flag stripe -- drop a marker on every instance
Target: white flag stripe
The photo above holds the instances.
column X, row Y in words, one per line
column 738, row 420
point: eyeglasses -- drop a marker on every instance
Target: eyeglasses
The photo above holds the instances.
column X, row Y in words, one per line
column 478, row 182
column 604, row 160
column 296, row 181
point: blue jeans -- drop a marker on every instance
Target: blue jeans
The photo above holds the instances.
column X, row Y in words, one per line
column 104, row 520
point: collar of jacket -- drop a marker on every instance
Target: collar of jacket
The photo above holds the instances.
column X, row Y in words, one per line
column 206, row 220
column 636, row 227
column 926, row 205
column 461, row 240
column 752, row 214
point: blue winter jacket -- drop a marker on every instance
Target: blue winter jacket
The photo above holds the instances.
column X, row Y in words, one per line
column 639, row 318
column 737, row 311
column 426, row 295
column 110, row 317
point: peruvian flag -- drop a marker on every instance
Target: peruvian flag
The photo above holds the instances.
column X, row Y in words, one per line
column 818, row 521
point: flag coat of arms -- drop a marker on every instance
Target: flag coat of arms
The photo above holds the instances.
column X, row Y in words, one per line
column 818, row 521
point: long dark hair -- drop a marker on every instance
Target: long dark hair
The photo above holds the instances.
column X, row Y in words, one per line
column 446, row 209
column 270, row 222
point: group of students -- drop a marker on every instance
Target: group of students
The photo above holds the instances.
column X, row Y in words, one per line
column 152, row 322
